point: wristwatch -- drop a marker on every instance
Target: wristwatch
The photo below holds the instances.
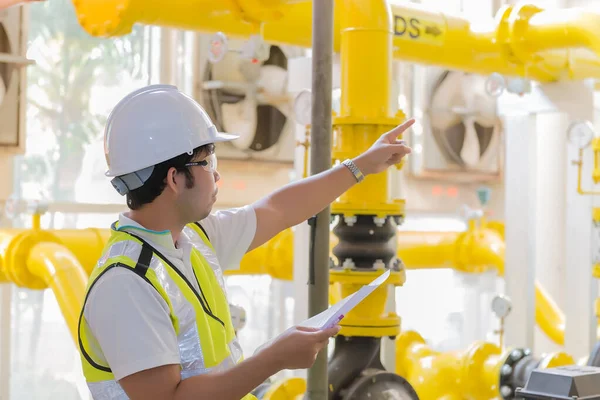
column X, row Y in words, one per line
column 354, row 169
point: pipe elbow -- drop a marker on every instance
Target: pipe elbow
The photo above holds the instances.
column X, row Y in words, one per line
column 16, row 257
column 366, row 15
column 47, row 259
column 480, row 250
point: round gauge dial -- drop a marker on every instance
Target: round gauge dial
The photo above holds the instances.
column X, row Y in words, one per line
column 501, row 306
column 303, row 107
column 218, row 47
column 581, row 133
column 494, row 85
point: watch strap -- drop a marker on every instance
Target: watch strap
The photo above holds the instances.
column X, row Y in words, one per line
column 358, row 175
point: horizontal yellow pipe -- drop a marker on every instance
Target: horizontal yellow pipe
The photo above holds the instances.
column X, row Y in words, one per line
column 523, row 41
column 418, row 250
column 56, row 266
column 477, row 252
column 470, row 374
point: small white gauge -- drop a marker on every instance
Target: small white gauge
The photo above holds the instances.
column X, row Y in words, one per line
column 256, row 49
column 303, row 107
column 501, row 306
column 581, row 133
column 218, row 47
column 495, row 85
column 238, row 317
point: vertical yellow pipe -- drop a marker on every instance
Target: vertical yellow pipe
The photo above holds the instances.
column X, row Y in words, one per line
column 366, row 33
column 54, row 264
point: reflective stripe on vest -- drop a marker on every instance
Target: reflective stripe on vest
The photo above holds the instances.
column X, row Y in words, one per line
column 201, row 319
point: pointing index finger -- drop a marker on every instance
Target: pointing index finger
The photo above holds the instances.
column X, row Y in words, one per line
column 394, row 133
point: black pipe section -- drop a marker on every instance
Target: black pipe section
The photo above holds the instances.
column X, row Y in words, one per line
column 352, row 355
column 522, row 371
column 364, row 242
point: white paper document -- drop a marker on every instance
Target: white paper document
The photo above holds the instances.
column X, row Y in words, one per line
column 335, row 313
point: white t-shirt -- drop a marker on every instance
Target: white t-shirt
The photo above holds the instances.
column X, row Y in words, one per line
column 130, row 320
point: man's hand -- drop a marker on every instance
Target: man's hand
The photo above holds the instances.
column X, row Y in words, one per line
column 298, row 347
column 385, row 152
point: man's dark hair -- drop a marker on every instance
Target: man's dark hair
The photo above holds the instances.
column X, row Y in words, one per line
column 155, row 185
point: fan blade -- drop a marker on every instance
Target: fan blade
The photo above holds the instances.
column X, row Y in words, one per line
column 470, row 152
column 273, row 80
column 240, row 118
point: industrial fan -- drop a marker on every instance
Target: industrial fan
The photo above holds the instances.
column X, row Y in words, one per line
column 5, row 68
column 10, row 88
column 248, row 98
column 463, row 119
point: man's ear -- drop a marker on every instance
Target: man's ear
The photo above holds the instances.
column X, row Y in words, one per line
column 172, row 178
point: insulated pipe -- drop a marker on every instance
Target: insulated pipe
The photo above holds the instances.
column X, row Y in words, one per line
column 523, row 41
column 320, row 160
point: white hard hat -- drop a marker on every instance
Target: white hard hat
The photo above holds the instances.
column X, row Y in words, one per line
column 152, row 125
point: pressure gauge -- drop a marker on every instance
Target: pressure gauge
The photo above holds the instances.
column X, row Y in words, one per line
column 256, row 49
column 581, row 133
column 501, row 306
column 303, row 107
column 495, row 84
column 218, row 47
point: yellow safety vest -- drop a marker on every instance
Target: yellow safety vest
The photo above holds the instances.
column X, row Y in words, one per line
column 201, row 320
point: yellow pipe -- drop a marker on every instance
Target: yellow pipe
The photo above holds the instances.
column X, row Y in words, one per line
column 524, row 40
column 549, row 316
column 56, row 266
column 470, row 374
column 475, row 252
column 15, row 244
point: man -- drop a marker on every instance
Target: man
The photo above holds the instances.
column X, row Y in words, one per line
column 155, row 322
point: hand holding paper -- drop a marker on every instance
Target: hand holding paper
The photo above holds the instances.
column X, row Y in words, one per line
column 334, row 314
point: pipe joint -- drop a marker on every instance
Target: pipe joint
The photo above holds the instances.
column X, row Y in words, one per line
column 17, row 253
column 512, row 31
column 473, row 373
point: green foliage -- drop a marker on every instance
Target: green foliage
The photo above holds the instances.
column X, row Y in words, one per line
column 70, row 65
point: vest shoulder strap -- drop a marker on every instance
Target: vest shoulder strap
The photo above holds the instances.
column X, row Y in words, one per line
column 200, row 231
column 140, row 268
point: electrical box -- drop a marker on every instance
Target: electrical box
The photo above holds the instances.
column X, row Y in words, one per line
column 568, row 382
column 13, row 39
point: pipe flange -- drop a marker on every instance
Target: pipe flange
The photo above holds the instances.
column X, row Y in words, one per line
column 518, row 22
column 507, row 386
column 16, row 255
column 476, row 360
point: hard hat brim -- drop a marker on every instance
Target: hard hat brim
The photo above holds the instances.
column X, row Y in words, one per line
column 226, row 137
column 218, row 138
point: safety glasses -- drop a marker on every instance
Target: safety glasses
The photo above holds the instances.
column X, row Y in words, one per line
column 209, row 164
